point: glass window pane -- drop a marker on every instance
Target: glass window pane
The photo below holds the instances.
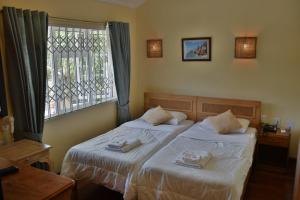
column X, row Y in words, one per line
column 79, row 71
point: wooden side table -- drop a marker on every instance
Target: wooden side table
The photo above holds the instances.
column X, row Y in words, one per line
column 35, row 184
column 26, row 152
column 297, row 177
column 273, row 150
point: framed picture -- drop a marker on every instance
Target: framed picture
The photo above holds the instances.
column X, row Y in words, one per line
column 196, row 49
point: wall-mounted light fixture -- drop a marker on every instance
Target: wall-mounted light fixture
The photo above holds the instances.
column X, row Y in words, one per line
column 245, row 47
column 154, row 48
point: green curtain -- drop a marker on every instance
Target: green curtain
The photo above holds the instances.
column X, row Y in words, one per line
column 26, row 46
column 120, row 47
column 3, row 103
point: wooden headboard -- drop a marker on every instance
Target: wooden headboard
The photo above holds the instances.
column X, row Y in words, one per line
column 250, row 110
column 181, row 103
column 197, row 108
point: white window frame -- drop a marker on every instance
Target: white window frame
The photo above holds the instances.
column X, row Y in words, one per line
column 79, row 66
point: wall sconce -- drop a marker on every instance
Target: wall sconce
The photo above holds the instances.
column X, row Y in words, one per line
column 154, row 48
column 245, row 47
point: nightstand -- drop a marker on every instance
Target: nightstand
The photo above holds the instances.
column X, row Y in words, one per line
column 26, row 152
column 273, row 150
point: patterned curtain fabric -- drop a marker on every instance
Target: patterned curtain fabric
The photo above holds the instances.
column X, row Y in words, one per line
column 26, row 46
column 3, row 104
column 120, row 47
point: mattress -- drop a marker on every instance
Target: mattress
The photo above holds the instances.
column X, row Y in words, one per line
column 91, row 162
column 222, row 178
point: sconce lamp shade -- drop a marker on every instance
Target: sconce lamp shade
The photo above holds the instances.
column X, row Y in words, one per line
column 245, row 47
column 154, row 48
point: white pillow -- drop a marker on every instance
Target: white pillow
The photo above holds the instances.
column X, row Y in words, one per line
column 147, row 112
column 223, row 123
column 177, row 118
column 156, row 116
column 244, row 123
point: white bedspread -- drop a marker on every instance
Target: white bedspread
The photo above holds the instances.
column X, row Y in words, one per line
column 222, row 178
column 200, row 133
column 90, row 161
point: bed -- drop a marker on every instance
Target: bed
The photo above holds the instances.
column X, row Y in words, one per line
column 225, row 175
column 90, row 162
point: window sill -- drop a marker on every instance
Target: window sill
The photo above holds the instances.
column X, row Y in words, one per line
column 55, row 117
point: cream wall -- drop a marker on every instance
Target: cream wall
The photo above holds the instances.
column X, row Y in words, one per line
column 65, row 131
column 272, row 78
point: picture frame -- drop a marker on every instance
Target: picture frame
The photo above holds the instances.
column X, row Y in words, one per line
column 196, row 49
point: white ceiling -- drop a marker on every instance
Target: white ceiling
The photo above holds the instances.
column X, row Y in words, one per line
column 128, row 3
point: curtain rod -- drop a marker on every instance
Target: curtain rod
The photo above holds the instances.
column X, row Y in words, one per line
column 68, row 19
column 79, row 20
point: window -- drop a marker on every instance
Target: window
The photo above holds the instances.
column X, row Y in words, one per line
column 79, row 69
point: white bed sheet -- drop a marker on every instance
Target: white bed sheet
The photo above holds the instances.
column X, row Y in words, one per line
column 199, row 132
column 222, row 178
column 90, row 161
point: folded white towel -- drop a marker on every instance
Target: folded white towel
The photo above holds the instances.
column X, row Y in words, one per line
column 193, row 159
column 127, row 147
column 117, row 144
